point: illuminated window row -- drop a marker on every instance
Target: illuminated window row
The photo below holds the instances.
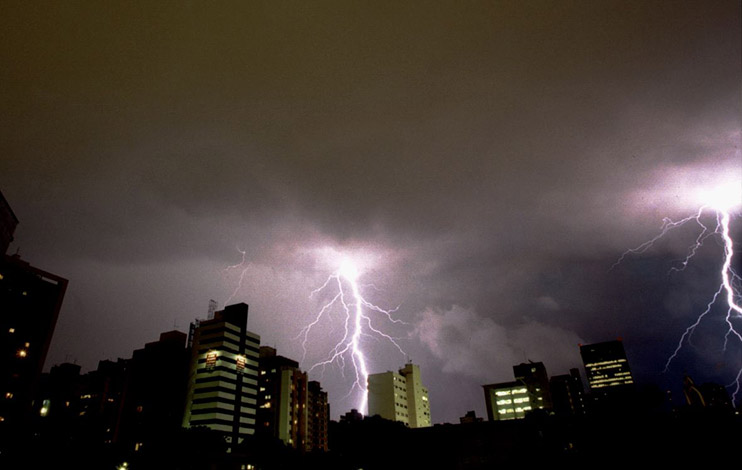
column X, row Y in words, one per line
column 612, row 361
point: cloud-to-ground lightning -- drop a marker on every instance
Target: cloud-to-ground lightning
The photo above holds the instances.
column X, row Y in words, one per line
column 244, row 267
column 357, row 324
column 720, row 204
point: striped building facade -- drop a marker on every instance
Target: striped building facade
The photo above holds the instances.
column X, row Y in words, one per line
column 223, row 378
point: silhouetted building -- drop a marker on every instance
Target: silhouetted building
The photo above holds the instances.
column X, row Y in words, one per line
column 101, row 399
column 399, row 396
column 318, row 418
column 154, row 391
column 470, row 418
column 223, row 375
column 8, row 223
column 716, row 396
column 30, row 300
column 568, row 394
column 352, row 416
column 57, row 401
column 534, row 376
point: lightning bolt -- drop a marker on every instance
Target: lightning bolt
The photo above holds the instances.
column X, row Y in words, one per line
column 357, row 324
column 242, row 265
column 729, row 290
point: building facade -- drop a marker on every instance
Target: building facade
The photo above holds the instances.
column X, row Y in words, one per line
column 400, row 396
column 318, row 418
column 534, row 376
column 607, row 370
column 282, row 398
column 290, row 407
column 507, row 400
column 30, row 300
column 568, row 394
column 223, row 375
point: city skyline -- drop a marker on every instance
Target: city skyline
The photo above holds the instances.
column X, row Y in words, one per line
column 489, row 164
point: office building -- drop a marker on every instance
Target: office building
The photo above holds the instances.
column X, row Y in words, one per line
column 568, row 394
column 223, row 375
column 607, row 370
column 513, row 400
column 534, row 376
column 507, row 400
column 400, row 396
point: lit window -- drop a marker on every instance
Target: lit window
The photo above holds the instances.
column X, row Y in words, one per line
column 9, row 395
column 11, row 330
column 44, row 408
column 28, row 344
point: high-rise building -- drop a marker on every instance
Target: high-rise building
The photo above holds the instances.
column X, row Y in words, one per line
column 318, row 418
column 30, row 300
column 512, row 400
column 568, row 394
column 400, row 396
column 154, row 391
column 282, row 398
column 290, row 408
column 607, row 369
column 534, row 376
column 223, row 378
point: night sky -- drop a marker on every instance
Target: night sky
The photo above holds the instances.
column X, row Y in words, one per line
column 486, row 162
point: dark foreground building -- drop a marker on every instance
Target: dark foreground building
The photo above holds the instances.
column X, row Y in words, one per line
column 30, row 300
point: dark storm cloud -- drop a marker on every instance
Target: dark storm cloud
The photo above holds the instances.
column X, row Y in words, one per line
column 501, row 154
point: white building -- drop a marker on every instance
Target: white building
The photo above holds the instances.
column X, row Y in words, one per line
column 400, row 396
column 223, row 379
